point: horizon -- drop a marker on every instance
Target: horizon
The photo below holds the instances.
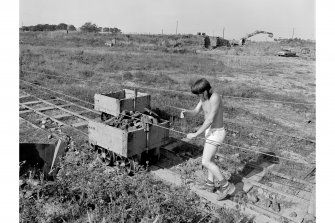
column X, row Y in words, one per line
column 183, row 17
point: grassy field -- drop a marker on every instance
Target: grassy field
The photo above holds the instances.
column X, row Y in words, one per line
column 173, row 62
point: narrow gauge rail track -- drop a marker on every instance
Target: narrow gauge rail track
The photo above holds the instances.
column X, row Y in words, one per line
column 30, row 106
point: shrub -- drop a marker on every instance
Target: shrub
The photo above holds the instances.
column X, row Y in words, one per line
column 89, row 27
column 87, row 73
column 207, row 42
column 127, row 76
column 85, row 187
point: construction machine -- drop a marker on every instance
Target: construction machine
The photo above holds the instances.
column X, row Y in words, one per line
column 244, row 39
column 223, row 42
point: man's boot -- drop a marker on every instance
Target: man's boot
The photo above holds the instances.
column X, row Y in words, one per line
column 225, row 190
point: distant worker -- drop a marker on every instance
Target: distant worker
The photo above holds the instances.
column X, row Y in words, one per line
column 211, row 103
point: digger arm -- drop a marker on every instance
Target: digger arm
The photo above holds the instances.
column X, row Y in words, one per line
column 243, row 39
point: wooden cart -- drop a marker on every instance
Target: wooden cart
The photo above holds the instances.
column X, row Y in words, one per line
column 126, row 146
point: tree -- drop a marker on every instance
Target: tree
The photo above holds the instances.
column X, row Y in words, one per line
column 105, row 29
column 62, row 26
column 89, row 27
column 38, row 27
column 50, row 27
column 72, row 28
column 115, row 30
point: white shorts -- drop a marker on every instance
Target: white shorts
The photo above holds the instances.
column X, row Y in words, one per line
column 215, row 136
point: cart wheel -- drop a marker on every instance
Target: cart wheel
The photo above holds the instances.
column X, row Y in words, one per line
column 128, row 165
column 135, row 163
column 104, row 116
column 106, row 157
column 118, row 160
column 93, row 147
column 113, row 159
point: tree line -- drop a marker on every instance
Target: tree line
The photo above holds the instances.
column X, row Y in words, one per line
column 87, row 27
column 48, row 27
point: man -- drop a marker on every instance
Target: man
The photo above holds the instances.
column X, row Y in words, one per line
column 211, row 104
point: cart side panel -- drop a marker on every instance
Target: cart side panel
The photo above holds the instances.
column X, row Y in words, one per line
column 136, row 142
column 117, row 95
column 108, row 137
column 106, row 104
column 158, row 136
column 127, row 104
column 142, row 102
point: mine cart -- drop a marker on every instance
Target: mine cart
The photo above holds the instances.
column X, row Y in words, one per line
column 114, row 103
column 127, row 136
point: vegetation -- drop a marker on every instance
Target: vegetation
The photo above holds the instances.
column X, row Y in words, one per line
column 165, row 62
column 89, row 27
column 47, row 27
column 207, row 42
column 85, row 188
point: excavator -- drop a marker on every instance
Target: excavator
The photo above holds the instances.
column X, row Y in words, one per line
column 244, row 39
column 223, row 42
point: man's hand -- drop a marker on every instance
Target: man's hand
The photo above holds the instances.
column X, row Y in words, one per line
column 191, row 135
column 182, row 114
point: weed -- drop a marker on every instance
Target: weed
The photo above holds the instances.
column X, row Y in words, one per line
column 114, row 197
column 83, row 189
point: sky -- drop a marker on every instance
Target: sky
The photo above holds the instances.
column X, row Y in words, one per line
column 236, row 17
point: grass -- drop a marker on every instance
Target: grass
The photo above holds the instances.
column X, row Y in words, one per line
column 86, row 190
column 156, row 61
column 112, row 196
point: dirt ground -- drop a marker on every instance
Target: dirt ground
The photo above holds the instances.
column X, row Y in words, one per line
column 242, row 75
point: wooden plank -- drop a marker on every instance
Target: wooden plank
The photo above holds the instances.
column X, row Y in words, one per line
column 273, row 190
column 25, row 111
column 37, row 127
column 108, row 137
column 76, row 125
column 67, row 115
column 174, row 178
column 157, row 138
column 32, row 124
column 87, row 109
column 142, row 101
column 158, row 135
column 62, row 116
column 44, row 115
column 31, row 102
column 51, row 107
column 106, row 104
column 292, row 178
column 63, row 109
column 115, row 102
column 45, row 108
column 24, row 96
column 136, row 142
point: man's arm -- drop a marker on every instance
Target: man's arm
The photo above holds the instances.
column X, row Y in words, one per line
column 191, row 113
column 214, row 102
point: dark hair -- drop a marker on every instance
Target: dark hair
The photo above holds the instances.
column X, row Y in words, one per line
column 200, row 86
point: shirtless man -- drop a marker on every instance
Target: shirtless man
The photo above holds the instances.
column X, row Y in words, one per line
column 211, row 104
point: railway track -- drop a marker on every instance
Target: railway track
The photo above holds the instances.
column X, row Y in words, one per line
column 56, row 113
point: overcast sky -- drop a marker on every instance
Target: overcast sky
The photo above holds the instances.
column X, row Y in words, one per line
column 239, row 17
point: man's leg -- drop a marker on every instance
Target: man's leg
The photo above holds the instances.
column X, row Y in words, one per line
column 210, row 149
column 210, row 175
column 207, row 161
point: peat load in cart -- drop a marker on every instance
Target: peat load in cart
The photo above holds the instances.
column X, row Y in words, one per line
column 129, row 133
